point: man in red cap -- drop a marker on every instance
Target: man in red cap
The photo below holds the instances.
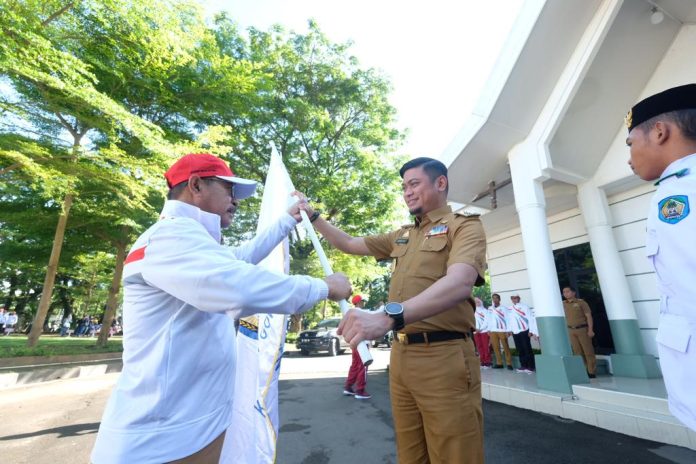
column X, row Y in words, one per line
column 182, row 292
column 357, row 374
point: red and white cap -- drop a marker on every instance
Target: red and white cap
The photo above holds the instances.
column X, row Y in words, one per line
column 207, row 165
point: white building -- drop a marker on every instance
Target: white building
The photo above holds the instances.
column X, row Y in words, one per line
column 551, row 120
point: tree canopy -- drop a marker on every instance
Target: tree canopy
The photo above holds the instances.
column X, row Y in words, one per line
column 98, row 97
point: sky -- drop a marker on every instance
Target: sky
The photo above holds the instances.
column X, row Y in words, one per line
column 437, row 54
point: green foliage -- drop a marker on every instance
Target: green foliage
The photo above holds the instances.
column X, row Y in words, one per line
column 16, row 345
column 333, row 126
column 98, row 97
column 484, row 291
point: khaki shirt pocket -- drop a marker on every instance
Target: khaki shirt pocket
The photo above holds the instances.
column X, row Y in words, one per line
column 396, row 254
column 432, row 257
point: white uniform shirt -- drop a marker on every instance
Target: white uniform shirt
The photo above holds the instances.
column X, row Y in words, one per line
column 497, row 321
column 481, row 314
column 520, row 318
column 3, row 318
column 671, row 250
column 175, row 393
column 11, row 320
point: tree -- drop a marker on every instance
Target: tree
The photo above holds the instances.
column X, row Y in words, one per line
column 58, row 92
column 104, row 94
column 333, row 126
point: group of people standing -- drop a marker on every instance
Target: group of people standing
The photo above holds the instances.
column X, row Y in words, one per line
column 8, row 321
column 495, row 324
column 183, row 288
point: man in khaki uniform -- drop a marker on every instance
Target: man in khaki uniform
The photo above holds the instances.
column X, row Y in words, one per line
column 435, row 378
column 580, row 329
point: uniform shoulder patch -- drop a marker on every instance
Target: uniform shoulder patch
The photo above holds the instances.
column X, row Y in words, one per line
column 466, row 214
column 673, row 208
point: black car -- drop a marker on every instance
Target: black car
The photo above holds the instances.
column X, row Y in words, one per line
column 386, row 340
column 322, row 338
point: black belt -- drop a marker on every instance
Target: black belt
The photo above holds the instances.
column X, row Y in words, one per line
column 430, row 337
column 582, row 326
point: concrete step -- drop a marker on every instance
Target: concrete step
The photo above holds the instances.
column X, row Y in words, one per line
column 643, row 402
column 633, row 413
column 636, row 422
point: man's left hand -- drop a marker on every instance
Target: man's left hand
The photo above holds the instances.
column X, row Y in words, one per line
column 590, row 333
column 358, row 325
column 301, row 204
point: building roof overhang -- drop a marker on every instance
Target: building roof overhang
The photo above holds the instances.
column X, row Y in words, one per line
column 538, row 50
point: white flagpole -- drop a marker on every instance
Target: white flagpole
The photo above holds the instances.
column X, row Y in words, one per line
column 363, row 350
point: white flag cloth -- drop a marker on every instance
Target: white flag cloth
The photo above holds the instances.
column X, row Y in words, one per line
column 252, row 435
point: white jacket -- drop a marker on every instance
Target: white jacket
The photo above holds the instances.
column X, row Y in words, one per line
column 175, row 393
column 497, row 319
column 671, row 227
column 481, row 314
column 521, row 318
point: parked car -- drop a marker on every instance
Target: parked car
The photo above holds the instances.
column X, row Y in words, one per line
column 322, row 337
column 387, row 340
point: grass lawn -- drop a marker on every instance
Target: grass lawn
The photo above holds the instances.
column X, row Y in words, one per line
column 53, row 345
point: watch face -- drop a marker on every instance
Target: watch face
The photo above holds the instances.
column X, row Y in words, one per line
column 394, row 308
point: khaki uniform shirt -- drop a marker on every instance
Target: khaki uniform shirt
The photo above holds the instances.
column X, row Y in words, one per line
column 575, row 311
column 421, row 254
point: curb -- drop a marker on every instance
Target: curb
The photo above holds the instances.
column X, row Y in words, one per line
column 28, row 370
column 14, row 376
column 29, row 361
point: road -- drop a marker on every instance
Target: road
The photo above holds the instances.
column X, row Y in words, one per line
column 56, row 422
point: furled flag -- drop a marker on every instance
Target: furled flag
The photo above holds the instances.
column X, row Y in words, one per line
column 252, row 435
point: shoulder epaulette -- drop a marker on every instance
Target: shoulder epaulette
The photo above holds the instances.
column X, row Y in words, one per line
column 678, row 174
column 466, row 214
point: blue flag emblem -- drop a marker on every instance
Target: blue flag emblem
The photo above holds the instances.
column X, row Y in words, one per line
column 673, row 209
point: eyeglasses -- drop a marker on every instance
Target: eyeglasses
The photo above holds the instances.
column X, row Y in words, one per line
column 228, row 185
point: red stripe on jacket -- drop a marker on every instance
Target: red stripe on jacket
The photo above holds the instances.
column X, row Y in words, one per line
column 135, row 255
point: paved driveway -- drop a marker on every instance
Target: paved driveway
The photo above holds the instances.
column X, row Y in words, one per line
column 56, row 422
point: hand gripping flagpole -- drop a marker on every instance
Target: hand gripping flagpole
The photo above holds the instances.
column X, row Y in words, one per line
column 363, row 350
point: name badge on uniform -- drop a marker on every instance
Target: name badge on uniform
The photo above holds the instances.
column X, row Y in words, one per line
column 440, row 229
column 403, row 239
column 673, row 209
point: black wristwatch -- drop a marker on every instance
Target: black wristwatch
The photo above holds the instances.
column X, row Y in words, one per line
column 396, row 312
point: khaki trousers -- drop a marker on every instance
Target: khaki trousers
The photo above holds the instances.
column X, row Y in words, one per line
column 582, row 346
column 496, row 339
column 436, row 402
column 209, row 454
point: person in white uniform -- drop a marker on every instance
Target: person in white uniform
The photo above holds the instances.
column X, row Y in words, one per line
column 481, row 338
column 662, row 141
column 520, row 321
column 499, row 332
column 182, row 292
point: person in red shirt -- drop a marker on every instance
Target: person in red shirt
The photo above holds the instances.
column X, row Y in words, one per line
column 357, row 374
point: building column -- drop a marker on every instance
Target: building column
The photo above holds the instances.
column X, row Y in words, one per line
column 557, row 368
column 630, row 359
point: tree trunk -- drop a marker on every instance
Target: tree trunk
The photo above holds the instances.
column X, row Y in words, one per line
column 88, row 298
column 47, row 293
column 112, row 300
column 295, row 322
